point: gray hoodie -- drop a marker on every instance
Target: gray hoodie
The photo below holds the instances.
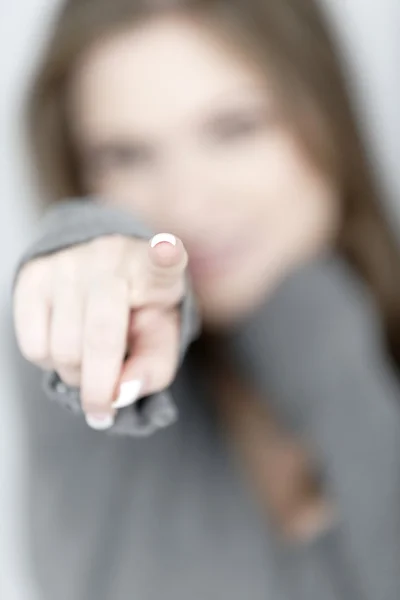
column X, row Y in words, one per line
column 156, row 507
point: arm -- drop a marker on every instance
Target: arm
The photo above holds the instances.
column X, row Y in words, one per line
column 79, row 221
column 316, row 349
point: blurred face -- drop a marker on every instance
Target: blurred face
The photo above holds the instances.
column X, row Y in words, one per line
column 177, row 129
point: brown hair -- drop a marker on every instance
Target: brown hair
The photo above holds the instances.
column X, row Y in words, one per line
column 287, row 37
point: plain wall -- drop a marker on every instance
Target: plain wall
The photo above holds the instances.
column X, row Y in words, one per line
column 22, row 26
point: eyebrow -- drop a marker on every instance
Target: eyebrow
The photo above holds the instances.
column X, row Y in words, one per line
column 230, row 103
column 94, row 149
column 244, row 90
column 241, row 93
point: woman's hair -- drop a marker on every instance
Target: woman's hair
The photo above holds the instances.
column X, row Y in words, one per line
column 286, row 39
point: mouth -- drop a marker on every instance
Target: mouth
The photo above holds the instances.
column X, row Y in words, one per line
column 217, row 261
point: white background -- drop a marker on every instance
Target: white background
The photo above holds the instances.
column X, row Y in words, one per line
column 369, row 30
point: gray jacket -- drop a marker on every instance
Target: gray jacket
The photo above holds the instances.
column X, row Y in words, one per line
column 146, row 511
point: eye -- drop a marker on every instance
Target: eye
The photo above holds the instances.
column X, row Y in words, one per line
column 235, row 126
column 118, row 157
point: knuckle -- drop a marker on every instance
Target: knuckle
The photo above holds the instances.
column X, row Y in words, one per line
column 118, row 258
column 137, row 296
column 107, row 243
column 67, row 264
column 103, row 334
column 170, row 293
column 69, row 376
column 107, row 314
column 117, row 290
column 108, row 296
column 33, row 353
column 65, row 355
column 33, row 275
column 108, row 252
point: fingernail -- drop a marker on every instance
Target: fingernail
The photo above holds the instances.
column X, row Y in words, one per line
column 128, row 393
column 100, row 422
column 163, row 237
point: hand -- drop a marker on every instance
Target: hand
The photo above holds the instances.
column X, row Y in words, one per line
column 104, row 316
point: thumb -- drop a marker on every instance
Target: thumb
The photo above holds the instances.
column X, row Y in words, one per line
column 168, row 259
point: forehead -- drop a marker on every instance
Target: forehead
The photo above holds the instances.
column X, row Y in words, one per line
column 152, row 76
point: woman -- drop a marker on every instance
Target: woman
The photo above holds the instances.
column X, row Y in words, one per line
column 227, row 125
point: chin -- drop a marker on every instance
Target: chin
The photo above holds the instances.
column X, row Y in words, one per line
column 223, row 306
column 219, row 314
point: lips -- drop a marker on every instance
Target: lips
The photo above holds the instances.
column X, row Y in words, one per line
column 214, row 262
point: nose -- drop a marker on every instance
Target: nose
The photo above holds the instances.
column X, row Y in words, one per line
column 184, row 191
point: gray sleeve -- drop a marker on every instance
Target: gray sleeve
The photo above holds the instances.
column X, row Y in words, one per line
column 78, row 221
column 317, row 352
